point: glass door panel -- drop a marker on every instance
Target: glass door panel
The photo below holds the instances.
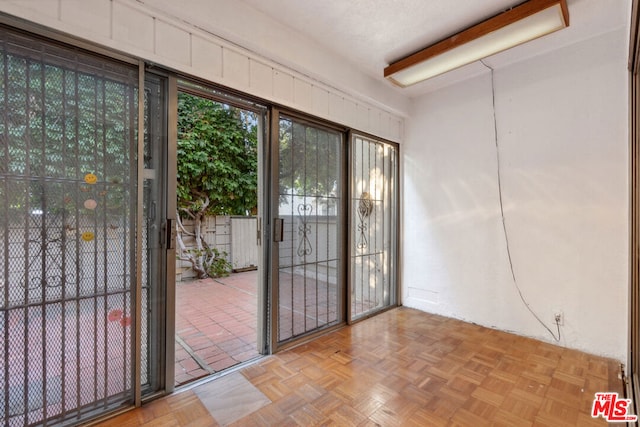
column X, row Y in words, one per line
column 374, row 210
column 219, row 254
column 69, row 210
column 68, row 186
column 309, row 227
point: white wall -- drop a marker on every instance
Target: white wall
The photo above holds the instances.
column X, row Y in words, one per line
column 562, row 128
column 144, row 32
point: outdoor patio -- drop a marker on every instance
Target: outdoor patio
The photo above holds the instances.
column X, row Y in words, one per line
column 216, row 319
column 216, row 324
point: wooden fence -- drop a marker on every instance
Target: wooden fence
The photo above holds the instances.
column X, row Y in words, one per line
column 235, row 236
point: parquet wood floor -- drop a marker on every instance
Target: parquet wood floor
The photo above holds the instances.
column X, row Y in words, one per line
column 409, row 368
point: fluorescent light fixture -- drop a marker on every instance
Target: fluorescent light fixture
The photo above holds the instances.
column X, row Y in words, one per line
column 525, row 22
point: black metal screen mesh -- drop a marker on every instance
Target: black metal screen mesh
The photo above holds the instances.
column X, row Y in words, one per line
column 374, row 226
column 309, row 289
column 67, row 209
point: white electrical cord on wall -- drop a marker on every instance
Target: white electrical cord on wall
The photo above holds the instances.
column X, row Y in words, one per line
column 504, row 226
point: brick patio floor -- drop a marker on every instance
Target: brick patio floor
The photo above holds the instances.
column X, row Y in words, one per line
column 216, row 319
column 216, row 324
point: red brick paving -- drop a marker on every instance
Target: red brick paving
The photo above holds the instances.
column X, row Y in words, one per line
column 217, row 320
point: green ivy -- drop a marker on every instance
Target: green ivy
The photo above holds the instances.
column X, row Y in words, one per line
column 217, row 156
column 219, row 267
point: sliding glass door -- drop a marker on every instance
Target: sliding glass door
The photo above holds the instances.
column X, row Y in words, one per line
column 374, row 225
column 219, row 253
column 81, row 262
column 308, row 228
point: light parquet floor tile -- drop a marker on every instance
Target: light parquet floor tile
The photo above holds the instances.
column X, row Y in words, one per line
column 409, row 368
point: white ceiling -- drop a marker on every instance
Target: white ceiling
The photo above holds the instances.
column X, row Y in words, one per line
column 369, row 34
column 373, row 33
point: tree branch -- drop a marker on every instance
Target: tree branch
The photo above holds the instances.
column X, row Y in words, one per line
column 180, row 227
column 187, row 211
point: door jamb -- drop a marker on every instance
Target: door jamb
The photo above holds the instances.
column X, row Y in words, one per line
column 171, row 168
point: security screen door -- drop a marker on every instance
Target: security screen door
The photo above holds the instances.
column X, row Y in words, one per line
column 308, row 229
column 69, row 206
column 374, row 219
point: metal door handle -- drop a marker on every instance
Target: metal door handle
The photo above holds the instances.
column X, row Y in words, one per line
column 259, row 231
column 171, row 233
column 278, row 231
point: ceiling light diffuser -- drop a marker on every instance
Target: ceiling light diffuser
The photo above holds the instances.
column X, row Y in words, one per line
column 525, row 22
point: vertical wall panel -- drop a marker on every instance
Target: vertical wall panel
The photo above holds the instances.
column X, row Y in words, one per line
column 350, row 113
column 336, row 107
column 206, row 57
column 235, row 68
column 132, row 27
column 173, row 43
column 320, row 101
column 362, row 118
column 383, row 127
column 47, row 7
column 261, row 78
column 374, row 122
column 302, row 94
column 94, row 16
column 395, row 129
column 283, row 86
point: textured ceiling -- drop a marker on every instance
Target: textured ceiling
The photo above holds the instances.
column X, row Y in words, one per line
column 373, row 33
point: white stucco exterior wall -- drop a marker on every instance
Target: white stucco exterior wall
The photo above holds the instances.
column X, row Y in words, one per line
column 562, row 130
